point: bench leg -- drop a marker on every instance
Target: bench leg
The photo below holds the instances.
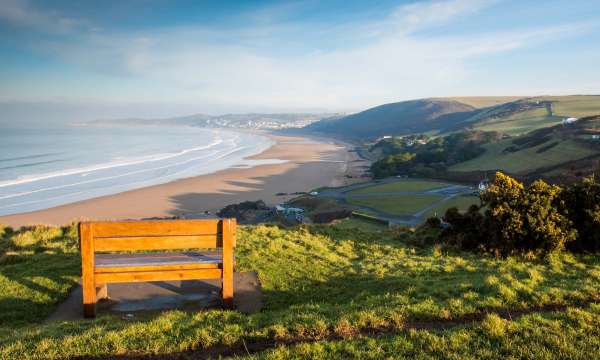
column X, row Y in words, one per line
column 227, row 291
column 89, row 299
column 88, row 281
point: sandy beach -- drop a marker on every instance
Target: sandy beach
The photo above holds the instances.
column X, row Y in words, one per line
column 310, row 163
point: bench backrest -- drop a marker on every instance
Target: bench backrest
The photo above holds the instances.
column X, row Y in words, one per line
column 109, row 236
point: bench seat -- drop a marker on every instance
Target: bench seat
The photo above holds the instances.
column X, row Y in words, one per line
column 104, row 261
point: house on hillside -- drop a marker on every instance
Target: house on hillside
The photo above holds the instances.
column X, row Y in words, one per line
column 384, row 137
column 291, row 213
column 569, row 121
column 483, row 185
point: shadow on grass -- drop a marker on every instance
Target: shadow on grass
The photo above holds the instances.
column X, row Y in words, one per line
column 38, row 267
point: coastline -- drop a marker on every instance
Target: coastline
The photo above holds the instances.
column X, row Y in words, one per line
column 311, row 162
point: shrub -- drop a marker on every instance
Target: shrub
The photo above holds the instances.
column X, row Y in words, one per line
column 328, row 216
column 583, row 203
column 517, row 219
column 520, row 219
column 465, row 230
column 433, row 222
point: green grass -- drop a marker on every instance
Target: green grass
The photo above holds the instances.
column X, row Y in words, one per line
column 521, row 123
column 460, row 202
column 404, row 185
column 396, row 204
column 37, row 268
column 320, row 281
column 576, row 106
column 573, row 334
column 485, row 101
column 525, row 160
column 359, row 223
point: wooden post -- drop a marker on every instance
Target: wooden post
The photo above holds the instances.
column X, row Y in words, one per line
column 87, row 270
column 229, row 227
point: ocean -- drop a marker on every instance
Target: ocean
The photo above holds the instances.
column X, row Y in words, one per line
column 43, row 168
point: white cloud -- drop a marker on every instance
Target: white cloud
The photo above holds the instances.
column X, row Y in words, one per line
column 413, row 17
column 22, row 13
column 243, row 66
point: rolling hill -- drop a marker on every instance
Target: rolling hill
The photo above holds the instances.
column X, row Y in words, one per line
column 546, row 151
column 398, row 118
column 508, row 115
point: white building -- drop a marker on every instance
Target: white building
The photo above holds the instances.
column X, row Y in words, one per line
column 568, row 121
column 483, row 185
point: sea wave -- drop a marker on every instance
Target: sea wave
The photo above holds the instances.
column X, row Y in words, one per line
column 127, row 168
column 105, row 166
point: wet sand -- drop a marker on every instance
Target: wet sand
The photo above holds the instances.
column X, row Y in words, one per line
column 311, row 163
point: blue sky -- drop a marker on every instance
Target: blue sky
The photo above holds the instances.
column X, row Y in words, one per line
column 153, row 58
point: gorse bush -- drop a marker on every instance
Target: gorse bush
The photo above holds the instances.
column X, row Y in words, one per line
column 525, row 219
column 539, row 219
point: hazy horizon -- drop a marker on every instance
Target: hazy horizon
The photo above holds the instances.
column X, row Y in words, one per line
column 64, row 62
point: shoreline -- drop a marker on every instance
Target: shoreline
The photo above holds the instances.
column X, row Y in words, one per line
column 311, row 162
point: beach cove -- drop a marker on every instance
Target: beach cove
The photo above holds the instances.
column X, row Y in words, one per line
column 305, row 163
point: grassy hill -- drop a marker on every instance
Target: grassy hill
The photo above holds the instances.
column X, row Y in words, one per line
column 510, row 115
column 525, row 115
column 335, row 291
column 484, row 101
column 545, row 148
column 575, row 105
column 398, row 118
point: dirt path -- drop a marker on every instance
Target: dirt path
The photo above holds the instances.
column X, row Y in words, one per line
column 260, row 345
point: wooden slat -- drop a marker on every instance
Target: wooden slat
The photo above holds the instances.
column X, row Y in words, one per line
column 141, row 276
column 88, row 283
column 132, row 243
column 151, row 227
column 104, row 270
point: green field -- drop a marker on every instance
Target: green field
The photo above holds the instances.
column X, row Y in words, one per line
column 402, row 185
column 525, row 121
column 575, row 106
column 485, row 101
column 525, row 160
column 320, row 283
column 521, row 123
column 402, row 205
column 462, row 202
column 363, row 224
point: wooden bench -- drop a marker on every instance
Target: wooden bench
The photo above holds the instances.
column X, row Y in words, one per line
column 100, row 265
